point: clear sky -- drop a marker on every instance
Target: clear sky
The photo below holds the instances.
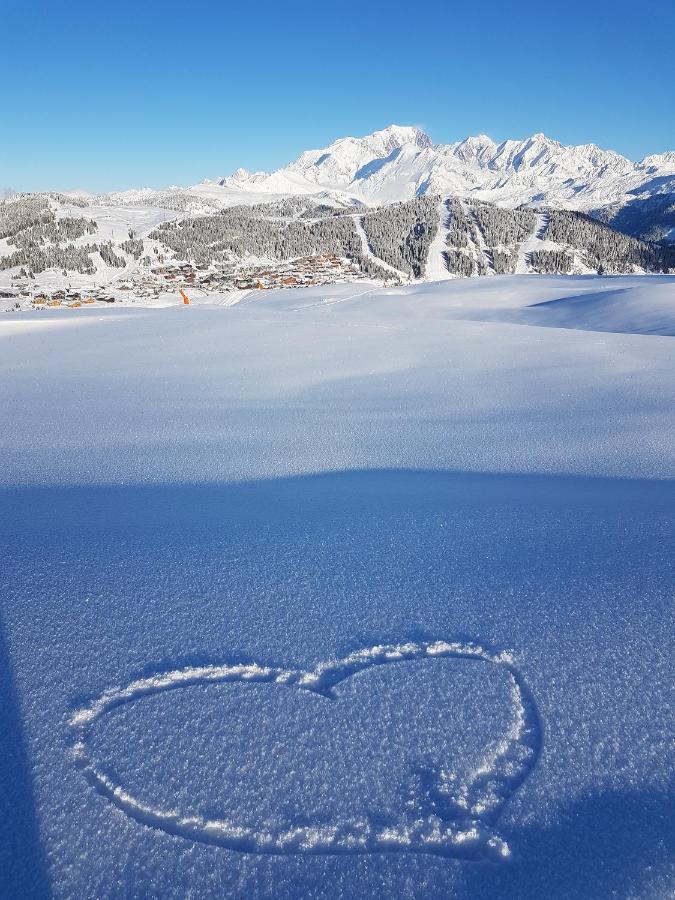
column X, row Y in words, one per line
column 146, row 93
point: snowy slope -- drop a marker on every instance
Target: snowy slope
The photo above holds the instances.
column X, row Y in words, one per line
column 135, row 250
column 376, row 259
column 436, row 269
column 393, row 165
column 401, row 162
column 330, row 594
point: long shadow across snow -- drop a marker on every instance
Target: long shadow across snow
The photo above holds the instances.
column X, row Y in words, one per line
column 543, row 546
column 23, row 868
column 598, row 848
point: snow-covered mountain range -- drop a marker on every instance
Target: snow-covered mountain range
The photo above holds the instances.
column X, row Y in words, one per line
column 391, row 205
column 399, row 163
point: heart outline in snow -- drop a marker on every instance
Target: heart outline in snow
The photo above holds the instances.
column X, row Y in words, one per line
column 455, row 820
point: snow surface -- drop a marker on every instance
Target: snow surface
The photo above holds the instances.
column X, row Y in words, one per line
column 436, row 269
column 330, row 593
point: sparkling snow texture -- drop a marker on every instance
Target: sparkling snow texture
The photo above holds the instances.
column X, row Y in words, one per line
column 341, row 594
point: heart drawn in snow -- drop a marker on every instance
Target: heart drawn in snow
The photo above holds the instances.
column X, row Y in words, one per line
column 358, row 755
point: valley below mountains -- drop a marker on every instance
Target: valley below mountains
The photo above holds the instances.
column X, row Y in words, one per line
column 388, row 207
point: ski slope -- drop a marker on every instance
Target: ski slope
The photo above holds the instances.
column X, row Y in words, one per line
column 365, row 246
column 436, row 270
column 479, row 244
column 344, row 591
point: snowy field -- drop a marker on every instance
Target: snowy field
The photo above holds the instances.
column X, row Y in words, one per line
column 341, row 592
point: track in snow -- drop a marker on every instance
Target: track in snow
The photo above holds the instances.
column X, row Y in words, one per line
column 480, row 245
column 333, row 301
column 435, row 269
column 358, row 223
column 448, row 819
column 231, row 298
column 526, row 249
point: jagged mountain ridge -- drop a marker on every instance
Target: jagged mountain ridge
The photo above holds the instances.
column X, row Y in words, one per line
column 389, row 205
column 399, row 163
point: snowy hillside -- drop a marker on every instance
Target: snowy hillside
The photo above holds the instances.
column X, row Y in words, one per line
column 55, row 250
column 340, row 592
column 400, row 163
column 391, row 206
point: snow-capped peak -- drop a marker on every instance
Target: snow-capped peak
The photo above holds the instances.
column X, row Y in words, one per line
column 398, row 136
column 400, row 162
column 474, row 149
column 349, row 158
column 665, row 162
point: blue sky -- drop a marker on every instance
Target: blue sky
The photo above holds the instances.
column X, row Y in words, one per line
column 133, row 94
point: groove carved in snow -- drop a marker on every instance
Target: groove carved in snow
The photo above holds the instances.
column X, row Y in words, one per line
column 446, row 817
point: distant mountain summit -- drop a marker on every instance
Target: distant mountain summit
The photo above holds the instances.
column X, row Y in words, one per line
column 400, row 162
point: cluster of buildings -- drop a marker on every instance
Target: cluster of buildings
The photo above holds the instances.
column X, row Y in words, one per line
column 299, row 272
column 71, row 298
column 172, row 277
column 24, row 297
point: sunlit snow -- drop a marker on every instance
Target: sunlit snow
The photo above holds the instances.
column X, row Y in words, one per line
column 337, row 592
